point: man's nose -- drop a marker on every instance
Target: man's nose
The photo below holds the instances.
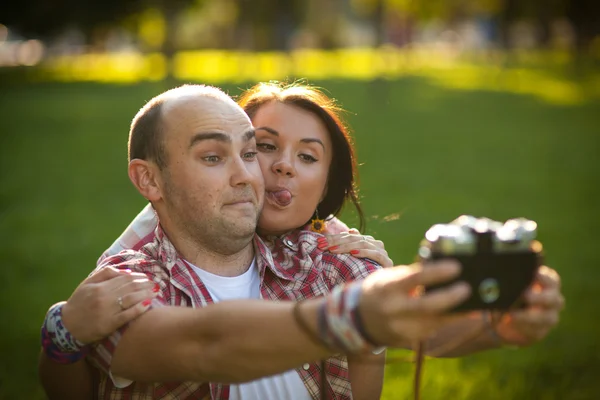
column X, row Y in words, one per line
column 241, row 174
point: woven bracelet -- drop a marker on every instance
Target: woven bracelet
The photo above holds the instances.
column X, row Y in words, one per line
column 57, row 341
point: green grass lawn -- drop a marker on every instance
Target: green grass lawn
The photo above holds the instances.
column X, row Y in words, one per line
column 428, row 154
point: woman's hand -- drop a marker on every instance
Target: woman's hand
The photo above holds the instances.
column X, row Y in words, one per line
column 105, row 301
column 358, row 245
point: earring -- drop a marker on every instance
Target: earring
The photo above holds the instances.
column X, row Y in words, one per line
column 316, row 224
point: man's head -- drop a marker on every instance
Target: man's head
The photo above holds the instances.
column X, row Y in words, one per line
column 192, row 153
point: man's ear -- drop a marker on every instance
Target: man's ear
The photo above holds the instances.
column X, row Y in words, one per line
column 145, row 176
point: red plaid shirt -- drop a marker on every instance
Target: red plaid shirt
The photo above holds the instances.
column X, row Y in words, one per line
column 290, row 267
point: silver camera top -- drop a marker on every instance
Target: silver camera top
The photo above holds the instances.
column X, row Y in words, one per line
column 461, row 236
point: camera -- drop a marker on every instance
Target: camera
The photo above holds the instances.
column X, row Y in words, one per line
column 499, row 260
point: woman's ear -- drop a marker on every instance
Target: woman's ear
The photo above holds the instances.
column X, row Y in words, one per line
column 145, row 177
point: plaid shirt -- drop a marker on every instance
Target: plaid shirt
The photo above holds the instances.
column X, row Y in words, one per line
column 290, row 267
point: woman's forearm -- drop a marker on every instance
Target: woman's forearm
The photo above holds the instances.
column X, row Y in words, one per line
column 65, row 381
column 366, row 376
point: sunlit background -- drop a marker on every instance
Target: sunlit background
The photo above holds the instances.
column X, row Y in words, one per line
column 490, row 108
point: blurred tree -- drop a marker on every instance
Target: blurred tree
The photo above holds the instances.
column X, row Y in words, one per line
column 45, row 18
column 585, row 17
column 267, row 24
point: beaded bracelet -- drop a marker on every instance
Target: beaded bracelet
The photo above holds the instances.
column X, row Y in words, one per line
column 57, row 341
column 338, row 324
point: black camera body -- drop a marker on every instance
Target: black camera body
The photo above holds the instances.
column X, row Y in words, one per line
column 499, row 261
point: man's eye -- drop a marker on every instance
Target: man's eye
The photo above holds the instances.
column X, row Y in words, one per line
column 212, row 159
column 266, row 147
column 249, row 156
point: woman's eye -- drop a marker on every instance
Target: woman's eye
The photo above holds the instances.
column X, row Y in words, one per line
column 250, row 155
column 308, row 158
column 266, row 147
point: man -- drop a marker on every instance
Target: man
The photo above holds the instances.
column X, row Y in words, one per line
column 192, row 155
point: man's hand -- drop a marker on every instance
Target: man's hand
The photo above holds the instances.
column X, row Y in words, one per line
column 94, row 311
column 394, row 314
column 544, row 303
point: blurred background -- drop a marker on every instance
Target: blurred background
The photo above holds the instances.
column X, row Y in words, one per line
column 489, row 108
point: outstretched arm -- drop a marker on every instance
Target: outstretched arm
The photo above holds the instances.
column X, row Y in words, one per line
column 238, row 341
column 231, row 341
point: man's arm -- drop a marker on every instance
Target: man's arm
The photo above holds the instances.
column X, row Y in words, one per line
column 242, row 340
column 469, row 334
column 231, row 341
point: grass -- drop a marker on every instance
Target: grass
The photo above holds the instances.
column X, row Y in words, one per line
column 429, row 153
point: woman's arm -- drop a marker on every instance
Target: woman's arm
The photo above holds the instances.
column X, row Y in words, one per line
column 66, row 381
column 139, row 232
column 90, row 314
column 366, row 376
column 360, row 246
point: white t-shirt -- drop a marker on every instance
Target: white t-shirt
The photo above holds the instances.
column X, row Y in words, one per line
column 285, row 386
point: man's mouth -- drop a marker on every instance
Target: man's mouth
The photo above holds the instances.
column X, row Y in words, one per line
column 240, row 202
column 280, row 198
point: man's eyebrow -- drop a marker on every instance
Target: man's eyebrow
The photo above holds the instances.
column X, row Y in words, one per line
column 249, row 135
column 199, row 137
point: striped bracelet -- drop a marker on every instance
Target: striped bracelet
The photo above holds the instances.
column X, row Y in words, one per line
column 57, row 341
column 338, row 323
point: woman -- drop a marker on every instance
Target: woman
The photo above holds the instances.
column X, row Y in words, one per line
column 307, row 161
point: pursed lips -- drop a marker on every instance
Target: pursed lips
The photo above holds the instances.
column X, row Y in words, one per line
column 241, row 201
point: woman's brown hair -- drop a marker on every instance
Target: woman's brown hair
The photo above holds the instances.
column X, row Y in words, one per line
column 342, row 176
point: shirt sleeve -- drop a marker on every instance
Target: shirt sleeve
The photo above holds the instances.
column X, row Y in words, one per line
column 139, row 232
column 102, row 352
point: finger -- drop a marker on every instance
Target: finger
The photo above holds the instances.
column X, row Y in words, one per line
column 131, row 313
column 546, row 299
column 106, row 273
column 534, row 319
column 337, row 239
column 354, row 231
column 380, row 257
column 131, row 298
column 431, row 273
column 439, row 300
column 348, row 246
column 135, row 285
column 547, row 277
column 343, row 243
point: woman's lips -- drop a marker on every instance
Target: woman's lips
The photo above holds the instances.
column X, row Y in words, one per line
column 281, row 198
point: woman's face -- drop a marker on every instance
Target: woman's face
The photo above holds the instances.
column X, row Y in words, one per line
column 294, row 153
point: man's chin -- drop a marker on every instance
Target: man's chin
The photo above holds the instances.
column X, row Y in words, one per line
column 243, row 226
